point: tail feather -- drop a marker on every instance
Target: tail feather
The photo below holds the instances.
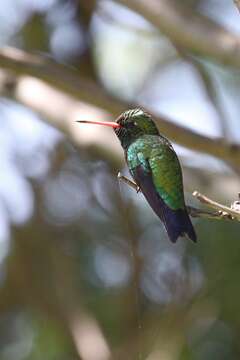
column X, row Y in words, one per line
column 178, row 223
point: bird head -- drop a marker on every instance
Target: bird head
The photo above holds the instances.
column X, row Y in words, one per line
column 130, row 125
column 133, row 124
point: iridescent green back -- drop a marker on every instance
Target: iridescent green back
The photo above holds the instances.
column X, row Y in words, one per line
column 156, row 155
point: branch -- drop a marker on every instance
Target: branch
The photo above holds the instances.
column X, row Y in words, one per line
column 223, row 212
column 72, row 83
column 195, row 212
column 192, row 31
column 237, row 3
column 60, row 76
column 231, row 213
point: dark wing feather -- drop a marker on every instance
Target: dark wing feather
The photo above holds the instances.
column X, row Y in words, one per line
column 176, row 222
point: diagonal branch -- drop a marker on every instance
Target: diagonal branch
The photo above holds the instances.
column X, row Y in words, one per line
column 57, row 75
column 72, row 83
column 237, row 3
column 192, row 31
column 223, row 212
column 231, row 213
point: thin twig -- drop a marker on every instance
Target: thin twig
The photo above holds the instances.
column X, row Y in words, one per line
column 129, row 182
column 223, row 212
column 195, row 212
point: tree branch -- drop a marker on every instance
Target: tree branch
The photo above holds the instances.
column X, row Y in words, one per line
column 60, row 76
column 223, row 212
column 71, row 83
column 231, row 213
column 237, row 3
column 192, row 31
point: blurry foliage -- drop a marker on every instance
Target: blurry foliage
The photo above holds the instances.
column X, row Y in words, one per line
column 85, row 264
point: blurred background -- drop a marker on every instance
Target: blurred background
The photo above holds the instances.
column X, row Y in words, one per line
column 86, row 269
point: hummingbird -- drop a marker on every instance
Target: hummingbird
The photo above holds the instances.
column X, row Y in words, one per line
column 155, row 168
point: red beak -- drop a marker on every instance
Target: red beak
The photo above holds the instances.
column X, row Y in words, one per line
column 105, row 123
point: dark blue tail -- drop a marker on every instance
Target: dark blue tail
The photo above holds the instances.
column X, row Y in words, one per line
column 177, row 223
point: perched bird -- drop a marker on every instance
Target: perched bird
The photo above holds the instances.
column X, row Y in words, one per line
column 155, row 168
